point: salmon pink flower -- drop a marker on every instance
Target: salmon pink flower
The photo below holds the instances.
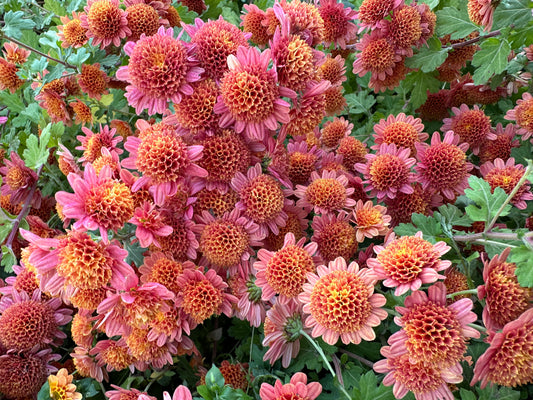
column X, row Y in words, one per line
column 113, row 354
column 402, row 130
column 149, row 225
column 334, row 235
column 296, row 389
column 105, row 22
column 252, row 22
column 181, row 393
column 370, row 220
column 18, row 180
column 338, row 28
column 127, row 394
column 250, row 307
column 162, row 268
column 500, row 145
column 92, row 143
column 522, row 114
column 61, row 386
column 378, row 56
column 372, row 13
column 71, row 33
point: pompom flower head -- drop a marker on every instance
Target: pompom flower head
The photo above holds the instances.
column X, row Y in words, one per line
column 18, row 180
column 402, row 130
column 335, row 236
column 370, row 220
column 338, row 28
column 297, row 388
column 160, row 70
column 105, row 22
column 522, row 114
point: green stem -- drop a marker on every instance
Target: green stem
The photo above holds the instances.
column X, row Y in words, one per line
column 358, row 358
column 320, row 351
column 469, row 291
column 484, row 242
column 511, row 195
column 486, row 235
column 391, row 312
column 479, row 328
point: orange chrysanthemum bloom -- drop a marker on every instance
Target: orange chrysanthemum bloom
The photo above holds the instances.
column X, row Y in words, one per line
column 71, row 33
column 122, row 128
column 334, row 131
column 93, row 80
column 305, row 20
column 115, row 355
column 181, row 243
column 455, row 281
column 522, row 114
column 370, row 220
column 61, row 386
column 402, row 130
column 105, row 22
column 500, row 146
column 302, row 161
column 82, row 328
column 333, row 70
column 338, row 28
column 163, row 269
column 82, row 112
column 435, row 108
column 26, row 279
column 235, row 375
column 88, row 299
column 509, row 359
column 371, row 13
column 399, row 71
column 378, row 55
column 296, row 224
column 353, row 151
column 335, row 236
column 15, row 54
column 341, row 302
column 505, row 298
column 8, row 76
column 143, row 350
column 252, row 22
column 472, row 126
column 335, row 102
column 142, row 18
column 215, row 201
column 405, row 27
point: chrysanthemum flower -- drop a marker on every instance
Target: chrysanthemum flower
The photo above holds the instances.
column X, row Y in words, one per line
column 27, row 321
column 334, row 131
column 402, row 130
column 372, row 13
column 283, row 326
column 235, row 375
column 54, row 104
column 142, row 18
column 501, row 145
column 113, row 355
column 163, row 269
column 24, row 374
column 388, row 172
column 181, row 243
column 296, row 223
column 326, row 193
column 250, row 307
column 18, row 180
column 8, row 76
column 261, row 199
column 370, row 220
column 25, row 279
column 251, row 22
column 377, row 56
column 399, row 71
column 160, row 70
column 305, row 21
column 83, row 113
column 505, row 299
column 338, row 28
column 455, row 281
column 93, row 80
column 215, row 201
column 436, row 106
column 61, row 386
column 215, row 41
column 250, row 97
column 127, row 394
column 82, row 328
column 302, row 161
column 442, row 165
column 228, row 240
column 353, row 151
column 341, row 302
column 522, row 114
column 333, row 70
column 203, row 295
column 408, row 262
column 283, row 272
column 507, row 361
column 105, row 22
column 335, row 100
column 506, row 176
column 481, row 12
column 472, row 126
column 86, row 366
column 198, row 6
column 334, row 236
column 92, row 143
column 149, row 224
column 15, row 54
column 296, row 389
column 405, row 28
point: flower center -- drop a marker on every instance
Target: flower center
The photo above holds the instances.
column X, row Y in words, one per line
column 388, row 171
column 378, row 56
column 263, row 198
column 17, row 178
column 224, row 242
column 401, row 134
column 110, row 204
column 327, row 193
column 445, row 165
column 104, row 19
column 201, row 300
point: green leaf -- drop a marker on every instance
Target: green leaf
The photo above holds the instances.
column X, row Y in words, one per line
column 490, row 59
column 15, row 23
column 522, row 257
column 360, row 102
column 204, row 392
column 55, row 6
column 5, row 228
column 264, row 4
column 50, row 39
column 454, row 216
column 214, row 379
column 32, row 112
column 44, row 393
column 368, row 388
column 12, row 101
column 36, row 152
column 88, row 387
column 467, row 395
column 185, row 14
column 487, row 203
column 135, row 253
column 417, row 84
column 515, row 12
column 73, row 5
column 429, row 226
column 496, row 392
column 456, row 22
column 428, row 58
column 79, row 57
column 39, row 65
column 8, row 259
column 431, row 3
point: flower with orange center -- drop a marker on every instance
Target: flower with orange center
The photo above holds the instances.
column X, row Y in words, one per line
column 326, row 193
column 334, row 131
column 55, row 106
column 24, row 374
column 87, row 299
column 235, row 375
column 25, row 279
column 282, row 328
column 472, row 126
column 481, row 12
column 335, row 100
column 284, row 272
column 27, row 321
column 296, row 389
column 163, row 269
column 335, row 236
column 405, row 28
column 370, row 220
column 215, row 41
column 505, row 298
column 105, row 22
column 501, row 145
column 198, row 6
column 509, row 359
column 61, row 386
column 436, row 106
column 228, row 240
column 215, row 202
column 93, row 81
column 506, row 176
column 388, row 172
column 372, row 13
column 353, row 151
column 142, row 18
column 92, row 143
column 408, row 262
column 251, row 22
column 83, row 112
column 442, row 166
column 8, row 76
column 333, row 70
column 250, row 98
column 296, row 223
column 338, row 28
column 522, row 114
column 82, row 328
column 18, row 180
column 114, row 355
column 150, row 225
column 15, row 54
column 455, row 281
column 203, row 295
column 402, row 130
column 160, row 70
column 340, row 301
column 147, row 353
column 181, row 243
column 261, row 199
column 302, row 161
column 377, row 55
column 86, row 366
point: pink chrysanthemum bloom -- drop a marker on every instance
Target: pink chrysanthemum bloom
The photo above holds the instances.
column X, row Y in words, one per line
column 181, row 243
column 250, row 307
column 388, row 172
column 261, row 199
column 25, row 279
column 15, row 54
column 501, row 145
column 162, row 268
column 508, row 360
column 402, row 130
column 113, row 355
column 250, row 97
column 284, row 272
column 127, row 394
column 334, row 235
column 506, row 176
column 98, row 201
column 377, row 55
column 302, row 161
column 338, row 28
column 283, row 326
column 164, row 159
column 149, row 224
column 145, row 16
column 472, row 126
column 341, row 303
column 168, row 326
column 522, row 114
column 481, row 12
column 26, row 322
column 160, row 70
column 334, row 131
column 105, row 22
column 147, row 353
column 92, row 143
column 86, row 366
column 505, row 298
column 326, row 193
column 18, row 181
column 403, row 206
column 227, row 241
column 203, row 295
column 54, row 104
column 181, row 393
column 214, row 41
column 372, row 13
column 408, row 262
column 252, row 22
column 297, row 389
column 370, row 220
column 442, row 166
